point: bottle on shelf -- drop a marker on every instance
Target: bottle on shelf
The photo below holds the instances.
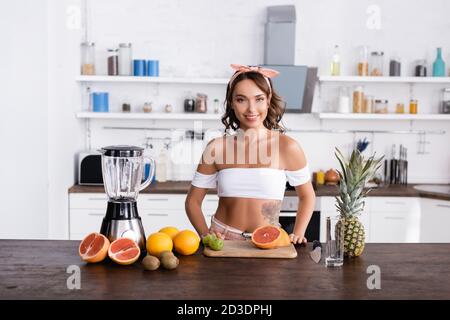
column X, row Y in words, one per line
column 336, row 62
column 439, row 65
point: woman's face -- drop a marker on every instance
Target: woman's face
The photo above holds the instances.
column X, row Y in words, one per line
column 250, row 104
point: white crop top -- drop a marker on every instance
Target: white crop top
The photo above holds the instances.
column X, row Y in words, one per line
column 259, row 183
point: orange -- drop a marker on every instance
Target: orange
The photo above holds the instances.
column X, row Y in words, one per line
column 159, row 242
column 124, row 251
column 266, row 237
column 171, row 231
column 93, row 248
column 186, row 242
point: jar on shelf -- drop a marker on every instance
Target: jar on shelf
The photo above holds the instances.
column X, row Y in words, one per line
column 88, row 58
column 368, row 104
column 445, row 101
column 148, row 107
column 363, row 62
column 413, row 106
column 189, row 103
column 125, row 59
column 381, row 106
column 376, row 63
column 400, row 108
column 358, row 99
column 216, row 106
column 421, row 68
column 113, row 62
column 395, row 66
column 344, row 100
column 201, row 103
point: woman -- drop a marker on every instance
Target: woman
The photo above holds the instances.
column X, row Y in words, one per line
column 250, row 168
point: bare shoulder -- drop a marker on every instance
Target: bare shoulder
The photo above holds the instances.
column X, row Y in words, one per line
column 292, row 154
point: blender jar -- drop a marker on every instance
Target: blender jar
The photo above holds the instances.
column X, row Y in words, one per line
column 122, row 168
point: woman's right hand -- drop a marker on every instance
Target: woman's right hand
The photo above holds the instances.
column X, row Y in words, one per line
column 215, row 233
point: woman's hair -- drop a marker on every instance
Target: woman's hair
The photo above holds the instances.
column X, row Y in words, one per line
column 274, row 113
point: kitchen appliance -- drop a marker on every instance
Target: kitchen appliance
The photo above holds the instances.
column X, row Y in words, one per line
column 122, row 168
column 288, row 212
column 90, row 168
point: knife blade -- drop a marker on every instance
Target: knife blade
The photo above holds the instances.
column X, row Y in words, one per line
column 316, row 253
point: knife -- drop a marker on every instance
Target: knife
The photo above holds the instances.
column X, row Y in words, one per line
column 316, row 252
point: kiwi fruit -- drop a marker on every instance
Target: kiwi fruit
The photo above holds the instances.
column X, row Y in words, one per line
column 150, row 263
column 166, row 253
column 169, row 261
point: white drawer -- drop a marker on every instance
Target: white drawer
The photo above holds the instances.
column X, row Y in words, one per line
column 85, row 221
column 395, row 204
column 395, row 227
column 155, row 220
column 328, row 205
column 162, row 201
column 88, row 200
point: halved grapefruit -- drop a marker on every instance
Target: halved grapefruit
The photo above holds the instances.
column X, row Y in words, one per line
column 284, row 240
column 93, row 248
column 124, row 251
column 266, row 237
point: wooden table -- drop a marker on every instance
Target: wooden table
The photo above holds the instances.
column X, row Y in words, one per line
column 31, row 269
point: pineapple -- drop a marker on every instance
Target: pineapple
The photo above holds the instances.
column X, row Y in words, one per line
column 350, row 201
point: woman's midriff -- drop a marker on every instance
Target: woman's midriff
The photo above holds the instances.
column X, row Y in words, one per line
column 248, row 214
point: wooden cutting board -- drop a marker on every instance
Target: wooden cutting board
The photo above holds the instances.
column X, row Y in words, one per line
column 246, row 249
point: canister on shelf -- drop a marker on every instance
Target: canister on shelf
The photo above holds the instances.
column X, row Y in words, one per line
column 413, row 106
column 363, row 62
column 88, row 58
column 358, row 99
column 421, row 68
column 344, row 100
column 381, row 106
column 368, row 104
column 125, row 59
column 395, row 67
column 113, row 62
column 376, row 63
column 400, row 108
column 201, row 103
column 445, row 101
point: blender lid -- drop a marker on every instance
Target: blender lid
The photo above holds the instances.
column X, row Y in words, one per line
column 122, row 151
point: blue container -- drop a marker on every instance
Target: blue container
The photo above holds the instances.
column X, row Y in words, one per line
column 139, row 68
column 100, row 101
column 153, row 68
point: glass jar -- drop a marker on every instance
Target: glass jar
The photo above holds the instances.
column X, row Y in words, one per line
column 363, row 62
column 344, row 100
column 201, row 103
column 336, row 62
column 421, row 68
column 358, row 99
column 400, row 108
column 376, row 63
column 189, row 103
column 395, row 67
column 368, row 104
column 125, row 59
column 88, row 58
column 113, row 62
column 413, row 106
column 381, row 106
column 216, row 106
column 445, row 101
column 148, row 107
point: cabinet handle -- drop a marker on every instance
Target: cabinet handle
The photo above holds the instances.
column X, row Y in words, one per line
column 443, row 205
column 95, row 214
column 158, row 214
column 158, row 199
column 97, row 199
column 394, row 202
column 211, row 200
column 394, row 218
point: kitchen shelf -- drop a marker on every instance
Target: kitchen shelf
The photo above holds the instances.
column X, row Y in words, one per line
column 148, row 116
column 379, row 116
column 130, row 79
column 407, row 80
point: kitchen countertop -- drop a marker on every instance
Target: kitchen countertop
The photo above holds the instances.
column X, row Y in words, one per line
column 37, row 269
column 182, row 187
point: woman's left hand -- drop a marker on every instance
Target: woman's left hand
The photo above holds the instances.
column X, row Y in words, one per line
column 297, row 239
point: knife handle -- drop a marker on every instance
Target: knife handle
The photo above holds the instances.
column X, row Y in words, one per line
column 316, row 244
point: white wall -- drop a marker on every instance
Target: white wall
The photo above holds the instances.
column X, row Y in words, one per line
column 199, row 38
column 23, row 119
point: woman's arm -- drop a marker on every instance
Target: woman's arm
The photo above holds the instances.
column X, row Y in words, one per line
column 296, row 160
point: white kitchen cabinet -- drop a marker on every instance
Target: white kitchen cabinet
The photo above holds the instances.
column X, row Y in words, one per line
column 435, row 221
column 328, row 209
column 86, row 212
column 395, row 220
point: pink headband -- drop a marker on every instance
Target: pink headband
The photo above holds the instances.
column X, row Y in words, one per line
column 266, row 73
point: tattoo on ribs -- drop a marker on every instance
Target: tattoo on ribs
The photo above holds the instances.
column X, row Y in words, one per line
column 271, row 212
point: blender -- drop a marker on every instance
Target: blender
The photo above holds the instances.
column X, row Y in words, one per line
column 122, row 169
